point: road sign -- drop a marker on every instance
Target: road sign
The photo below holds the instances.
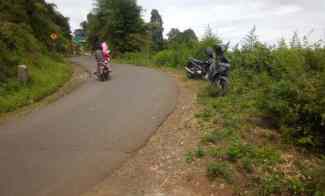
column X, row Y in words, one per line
column 54, row 36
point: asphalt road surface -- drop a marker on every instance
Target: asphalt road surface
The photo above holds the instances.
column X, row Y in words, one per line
column 69, row 146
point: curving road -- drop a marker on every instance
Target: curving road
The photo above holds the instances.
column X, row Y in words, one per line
column 67, row 147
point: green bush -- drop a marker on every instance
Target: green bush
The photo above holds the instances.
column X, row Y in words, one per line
column 316, row 186
column 271, row 184
column 222, row 170
column 296, row 97
column 166, row 58
column 189, row 157
column 199, row 152
column 16, row 40
column 174, row 57
column 46, row 77
column 136, row 58
column 288, row 85
column 25, row 29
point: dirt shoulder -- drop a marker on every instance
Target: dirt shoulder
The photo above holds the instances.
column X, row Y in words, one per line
column 159, row 168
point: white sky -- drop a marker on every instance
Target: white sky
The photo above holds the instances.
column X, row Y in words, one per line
column 230, row 19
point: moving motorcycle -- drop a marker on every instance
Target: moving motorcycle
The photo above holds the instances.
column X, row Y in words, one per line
column 104, row 72
column 196, row 69
column 103, row 67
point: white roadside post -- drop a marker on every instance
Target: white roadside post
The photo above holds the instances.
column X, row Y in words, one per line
column 23, row 76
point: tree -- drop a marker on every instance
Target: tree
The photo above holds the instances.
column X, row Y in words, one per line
column 175, row 37
column 120, row 23
column 173, row 33
column 190, row 36
column 156, row 28
column 295, row 41
column 210, row 39
column 208, row 32
column 282, row 44
column 251, row 39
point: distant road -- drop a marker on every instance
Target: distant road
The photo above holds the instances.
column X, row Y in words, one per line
column 67, row 147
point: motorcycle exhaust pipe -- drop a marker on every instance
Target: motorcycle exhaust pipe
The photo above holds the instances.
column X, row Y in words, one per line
column 187, row 69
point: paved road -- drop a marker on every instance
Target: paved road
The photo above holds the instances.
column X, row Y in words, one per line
column 67, row 147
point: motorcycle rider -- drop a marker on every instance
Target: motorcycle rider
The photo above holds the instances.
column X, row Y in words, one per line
column 102, row 54
column 98, row 51
column 107, row 55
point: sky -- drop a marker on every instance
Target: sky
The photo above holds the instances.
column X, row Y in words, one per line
column 229, row 19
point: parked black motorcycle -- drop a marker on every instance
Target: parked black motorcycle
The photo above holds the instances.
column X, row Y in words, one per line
column 216, row 75
column 196, row 69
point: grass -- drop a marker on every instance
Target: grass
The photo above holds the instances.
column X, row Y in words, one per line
column 236, row 146
column 222, row 170
column 189, row 157
column 46, row 77
column 199, row 152
column 216, row 136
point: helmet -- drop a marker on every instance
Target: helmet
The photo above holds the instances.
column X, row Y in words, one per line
column 209, row 51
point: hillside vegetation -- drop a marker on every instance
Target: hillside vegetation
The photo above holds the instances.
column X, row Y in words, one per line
column 25, row 38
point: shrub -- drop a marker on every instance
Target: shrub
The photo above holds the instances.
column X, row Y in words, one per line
column 316, row 186
column 271, row 184
column 137, row 58
column 199, row 152
column 296, row 99
column 217, row 136
column 189, row 157
column 222, row 170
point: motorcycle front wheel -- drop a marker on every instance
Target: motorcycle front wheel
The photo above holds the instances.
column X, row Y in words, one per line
column 224, row 85
column 220, row 87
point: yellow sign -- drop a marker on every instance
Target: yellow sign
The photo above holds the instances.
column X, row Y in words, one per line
column 54, row 36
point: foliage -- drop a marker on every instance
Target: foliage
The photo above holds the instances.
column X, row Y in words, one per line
column 296, row 95
column 317, row 184
column 291, row 85
column 156, row 30
column 223, row 170
column 47, row 76
column 181, row 46
column 199, row 152
column 189, row 157
column 120, row 23
column 25, row 29
column 176, row 37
